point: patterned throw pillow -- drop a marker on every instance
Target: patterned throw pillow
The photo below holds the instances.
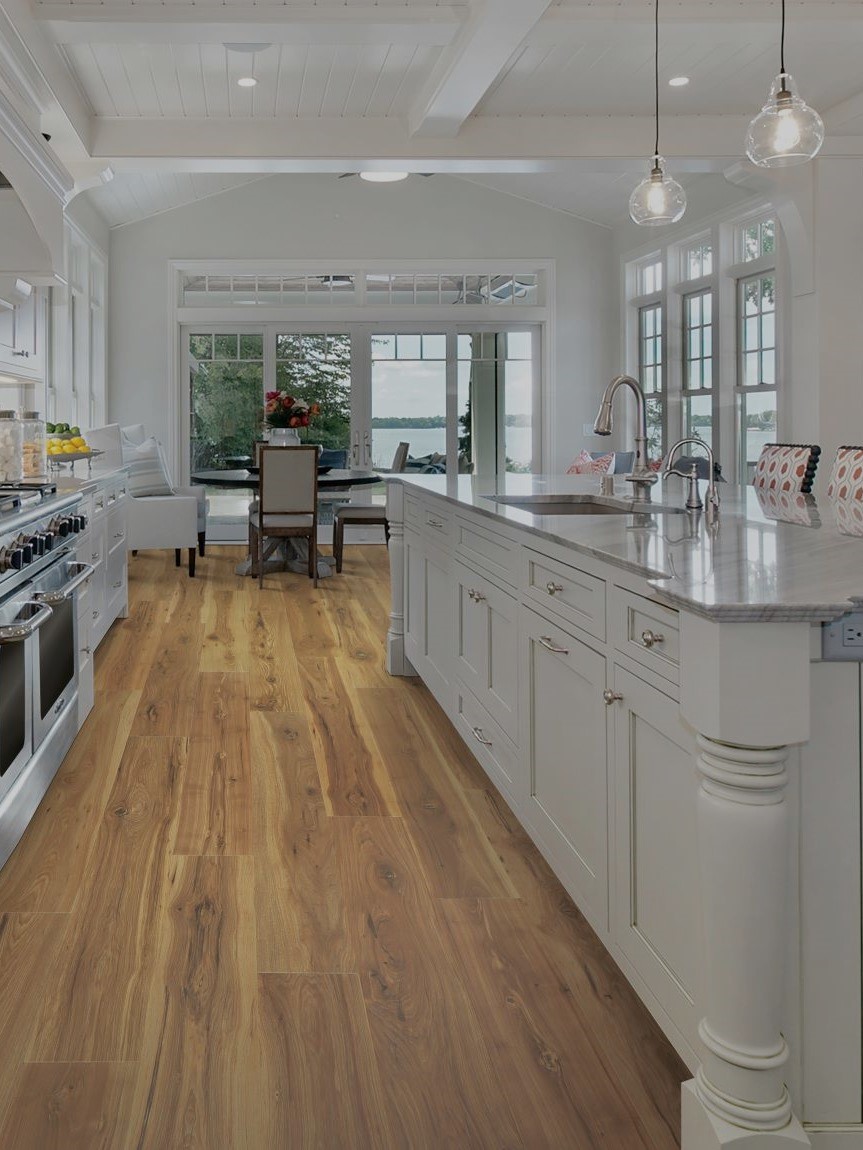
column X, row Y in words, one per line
column 585, row 464
column 786, row 467
column 846, row 479
column 147, row 472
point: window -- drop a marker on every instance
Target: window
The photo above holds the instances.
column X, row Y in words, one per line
column 756, row 380
column 698, row 261
column 650, row 277
column 698, row 419
column 650, row 374
column 757, row 239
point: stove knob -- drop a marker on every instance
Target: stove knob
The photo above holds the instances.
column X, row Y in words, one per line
column 82, row 519
column 78, row 523
column 27, row 548
column 16, row 558
column 64, row 526
column 48, row 538
column 37, row 542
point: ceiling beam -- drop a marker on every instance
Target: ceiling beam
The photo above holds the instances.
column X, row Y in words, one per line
column 216, row 24
column 465, row 72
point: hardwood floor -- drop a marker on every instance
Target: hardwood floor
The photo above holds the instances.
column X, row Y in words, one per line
column 271, row 902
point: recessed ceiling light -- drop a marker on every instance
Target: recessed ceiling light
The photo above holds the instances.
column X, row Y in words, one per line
column 678, row 81
column 383, row 177
column 247, row 81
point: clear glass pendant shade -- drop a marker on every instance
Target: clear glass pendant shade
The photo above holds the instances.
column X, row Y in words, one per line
column 786, row 131
column 658, row 199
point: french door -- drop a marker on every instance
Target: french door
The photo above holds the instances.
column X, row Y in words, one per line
column 464, row 397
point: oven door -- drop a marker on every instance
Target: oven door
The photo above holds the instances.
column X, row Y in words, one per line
column 20, row 620
column 55, row 657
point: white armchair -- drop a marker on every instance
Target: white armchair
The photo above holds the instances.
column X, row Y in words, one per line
column 155, row 521
column 136, row 434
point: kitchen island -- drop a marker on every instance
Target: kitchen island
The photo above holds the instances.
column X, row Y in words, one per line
column 647, row 690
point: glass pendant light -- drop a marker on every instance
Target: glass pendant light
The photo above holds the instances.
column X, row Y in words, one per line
column 658, row 199
column 786, row 131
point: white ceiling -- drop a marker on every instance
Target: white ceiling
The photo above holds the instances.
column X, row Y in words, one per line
column 547, row 99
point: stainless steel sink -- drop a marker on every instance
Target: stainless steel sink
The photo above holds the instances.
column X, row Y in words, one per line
column 572, row 504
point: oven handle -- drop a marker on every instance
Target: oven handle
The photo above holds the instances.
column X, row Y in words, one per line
column 83, row 573
column 18, row 632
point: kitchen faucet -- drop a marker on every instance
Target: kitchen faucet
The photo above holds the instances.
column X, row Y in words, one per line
column 693, row 498
column 641, row 477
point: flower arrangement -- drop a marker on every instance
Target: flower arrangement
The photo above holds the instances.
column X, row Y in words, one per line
column 285, row 410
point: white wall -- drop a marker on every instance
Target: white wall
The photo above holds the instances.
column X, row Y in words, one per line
column 322, row 217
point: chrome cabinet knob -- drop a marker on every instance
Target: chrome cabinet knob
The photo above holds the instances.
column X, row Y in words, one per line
column 479, row 735
column 651, row 638
column 553, row 588
column 477, row 596
column 609, row 696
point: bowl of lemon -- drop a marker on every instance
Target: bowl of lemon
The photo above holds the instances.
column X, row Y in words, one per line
column 66, row 444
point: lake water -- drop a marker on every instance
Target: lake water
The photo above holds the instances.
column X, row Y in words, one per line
column 425, row 440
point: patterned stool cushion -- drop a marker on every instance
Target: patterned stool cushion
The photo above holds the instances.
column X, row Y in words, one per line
column 585, row 464
column 787, row 467
column 846, row 479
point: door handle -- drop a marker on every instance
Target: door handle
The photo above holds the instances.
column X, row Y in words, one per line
column 16, row 632
column 367, row 449
column 355, row 450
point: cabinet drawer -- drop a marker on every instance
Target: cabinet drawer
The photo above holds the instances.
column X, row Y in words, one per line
column 572, row 594
column 488, row 742
column 100, row 502
column 115, row 572
column 116, row 533
column 487, row 646
column 647, row 632
column 437, row 522
column 491, row 552
column 413, row 511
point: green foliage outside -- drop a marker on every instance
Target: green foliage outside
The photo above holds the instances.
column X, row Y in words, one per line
column 317, row 368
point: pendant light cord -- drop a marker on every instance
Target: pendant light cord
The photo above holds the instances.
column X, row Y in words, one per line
column 656, row 70
column 782, row 42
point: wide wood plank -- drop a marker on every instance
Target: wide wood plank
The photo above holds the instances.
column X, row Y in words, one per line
column 94, row 1006
column 126, row 654
column 70, row 1106
column 308, row 619
column 51, row 863
column 354, row 781
column 168, row 696
column 360, row 653
column 216, row 799
column 274, row 676
column 455, row 854
column 300, row 912
column 646, row 1067
column 198, row 1027
column 558, row 1087
column 439, row 1077
column 223, row 617
column 322, row 1086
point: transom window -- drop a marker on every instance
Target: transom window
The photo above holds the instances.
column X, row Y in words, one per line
column 649, row 277
column 698, row 261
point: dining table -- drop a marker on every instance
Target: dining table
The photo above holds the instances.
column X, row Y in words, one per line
column 288, row 554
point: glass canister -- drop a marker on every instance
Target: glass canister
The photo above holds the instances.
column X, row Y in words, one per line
column 11, row 447
column 35, row 446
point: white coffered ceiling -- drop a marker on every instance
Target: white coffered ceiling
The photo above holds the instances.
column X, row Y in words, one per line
column 550, row 99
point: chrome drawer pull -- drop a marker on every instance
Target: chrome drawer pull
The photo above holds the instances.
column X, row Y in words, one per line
column 609, row 696
column 117, row 586
column 94, row 556
column 553, row 588
column 477, row 596
column 650, row 639
column 480, row 737
column 118, row 534
column 549, row 646
column 435, row 523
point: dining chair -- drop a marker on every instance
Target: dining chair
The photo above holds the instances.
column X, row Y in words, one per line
column 287, row 504
column 365, row 515
column 846, row 477
column 787, row 467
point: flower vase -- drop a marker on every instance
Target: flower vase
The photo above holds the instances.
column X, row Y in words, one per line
column 284, row 437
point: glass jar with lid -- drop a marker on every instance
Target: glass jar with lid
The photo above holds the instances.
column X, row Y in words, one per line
column 34, row 446
column 11, row 447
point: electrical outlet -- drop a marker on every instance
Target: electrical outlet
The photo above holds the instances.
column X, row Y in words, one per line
column 842, row 640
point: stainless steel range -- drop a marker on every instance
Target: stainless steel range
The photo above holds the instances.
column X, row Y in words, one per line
column 39, row 578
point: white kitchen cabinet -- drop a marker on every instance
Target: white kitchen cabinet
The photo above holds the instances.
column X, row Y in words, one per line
column 23, row 334
column 103, row 546
column 487, row 646
column 564, row 740
column 655, row 900
column 428, row 609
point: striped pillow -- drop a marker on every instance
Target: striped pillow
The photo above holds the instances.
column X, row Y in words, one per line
column 147, row 472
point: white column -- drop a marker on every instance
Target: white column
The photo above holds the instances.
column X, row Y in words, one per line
column 397, row 664
column 745, row 688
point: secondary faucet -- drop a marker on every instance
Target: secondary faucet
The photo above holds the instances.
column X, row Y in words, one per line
column 641, row 477
column 693, row 498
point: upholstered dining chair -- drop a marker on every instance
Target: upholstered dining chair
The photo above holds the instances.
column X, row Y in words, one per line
column 287, row 503
column 787, row 467
column 846, row 477
column 364, row 515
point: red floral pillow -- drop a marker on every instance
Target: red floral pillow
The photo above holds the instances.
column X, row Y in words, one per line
column 585, row 464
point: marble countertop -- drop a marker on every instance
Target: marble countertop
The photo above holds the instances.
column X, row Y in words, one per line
column 769, row 558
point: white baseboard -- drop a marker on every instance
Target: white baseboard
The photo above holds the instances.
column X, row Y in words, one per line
column 835, row 1137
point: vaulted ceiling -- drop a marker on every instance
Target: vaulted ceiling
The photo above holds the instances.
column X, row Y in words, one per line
column 549, row 90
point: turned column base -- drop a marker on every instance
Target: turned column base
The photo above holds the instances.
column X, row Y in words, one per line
column 702, row 1130
column 397, row 662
